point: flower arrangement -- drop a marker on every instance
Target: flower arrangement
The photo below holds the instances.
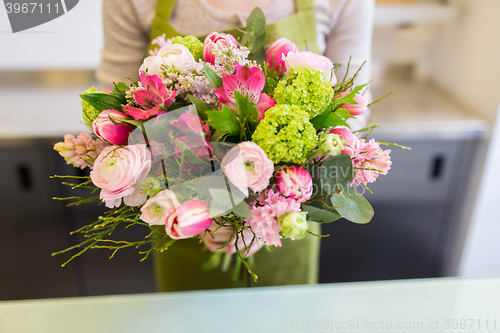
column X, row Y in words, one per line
column 212, row 140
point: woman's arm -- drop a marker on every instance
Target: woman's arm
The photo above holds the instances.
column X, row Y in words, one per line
column 126, row 38
column 350, row 35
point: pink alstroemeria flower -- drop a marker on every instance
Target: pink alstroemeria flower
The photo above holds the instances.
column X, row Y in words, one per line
column 248, row 82
column 154, row 98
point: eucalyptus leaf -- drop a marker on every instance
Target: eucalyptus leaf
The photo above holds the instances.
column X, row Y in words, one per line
column 242, row 210
column 352, row 206
column 255, row 32
column 335, row 173
column 320, row 215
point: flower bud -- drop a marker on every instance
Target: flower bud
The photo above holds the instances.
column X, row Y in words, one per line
column 159, row 207
column 108, row 128
column 294, row 182
column 214, row 41
column 330, row 144
column 190, row 219
column 151, row 186
column 293, row 224
column 275, row 52
column 355, row 109
column 351, row 142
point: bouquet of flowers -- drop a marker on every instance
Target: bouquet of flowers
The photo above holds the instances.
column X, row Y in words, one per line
column 212, row 138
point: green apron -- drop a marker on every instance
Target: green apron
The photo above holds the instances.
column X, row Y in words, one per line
column 179, row 268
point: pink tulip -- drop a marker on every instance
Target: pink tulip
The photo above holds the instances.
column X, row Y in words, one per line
column 108, row 127
column 214, row 41
column 355, row 109
column 276, row 51
column 190, row 219
column 294, row 182
column 249, row 82
column 154, row 98
column 117, row 171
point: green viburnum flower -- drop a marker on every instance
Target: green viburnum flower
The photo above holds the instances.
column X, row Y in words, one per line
column 194, row 45
column 89, row 113
column 285, row 134
column 306, row 87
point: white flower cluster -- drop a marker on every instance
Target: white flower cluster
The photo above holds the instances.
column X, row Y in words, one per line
column 227, row 57
column 129, row 95
column 190, row 80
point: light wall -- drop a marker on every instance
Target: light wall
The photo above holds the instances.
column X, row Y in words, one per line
column 465, row 58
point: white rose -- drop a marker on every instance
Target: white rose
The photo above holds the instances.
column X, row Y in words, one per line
column 158, row 208
column 174, row 54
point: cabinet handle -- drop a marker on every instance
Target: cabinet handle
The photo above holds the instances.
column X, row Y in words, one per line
column 25, row 178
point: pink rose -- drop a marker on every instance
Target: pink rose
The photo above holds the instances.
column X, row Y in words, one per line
column 247, row 166
column 355, row 109
column 108, row 127
column 117, row 170
column 306, row 58
column 276, row 51
column 294, row 182
column 214, row 41
column 159, row 207
column 190, row 219
column 352, row 145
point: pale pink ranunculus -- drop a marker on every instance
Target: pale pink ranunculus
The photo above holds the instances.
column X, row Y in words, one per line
column 154, row 98
column 275, row 52
column 249, row 82
column 189, row 219
column 294, row 182
column 352, row 145
column 159, row 207
column 175, row 55
column 355, row 109
column 310, row 59
column 214, row 41
column 108, row 127
column 247, row 166
column 117, row 170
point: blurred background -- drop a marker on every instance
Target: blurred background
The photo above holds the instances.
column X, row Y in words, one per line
column 435, row 211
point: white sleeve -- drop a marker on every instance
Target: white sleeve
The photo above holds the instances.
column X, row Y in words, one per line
column 126, row 39
column 350, row 35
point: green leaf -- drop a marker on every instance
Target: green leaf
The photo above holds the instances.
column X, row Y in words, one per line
column 120, row 92
column 214, row 79
column 201, row 107
column 344, row 113
column 242, row 210
column 219, row 135
column 247, row 112
column 136, row 123
column 328, row 119
column 102, row 101
column 224, row 120
column 349, row 98
column 255, row 32
column 352, row 206
column 270, row 86
column 189, row 155
column 335, row 173
column 320, row 215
